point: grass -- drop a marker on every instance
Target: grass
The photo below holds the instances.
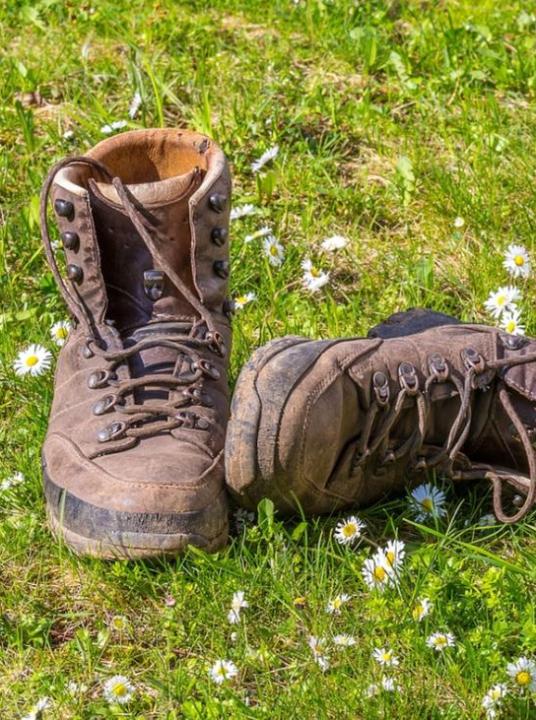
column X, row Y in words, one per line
column 393, row 119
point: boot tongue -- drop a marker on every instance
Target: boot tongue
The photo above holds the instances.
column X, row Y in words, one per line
column 139, row 292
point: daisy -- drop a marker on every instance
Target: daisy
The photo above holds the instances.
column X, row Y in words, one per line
column 35, row 360
column 334, row 242
column 242, row 300
column 223, row 670
column 334, row 606
column 389, row 685
column 261, row 232
column 268, row 155
column 135, row 105
column 237, row 603
column 68, row 135
column 440, row 641
column 394, row 553
column 459, row 222
column 118, row 689
column 273, row 250
column 377, row 573
column 517, row 261
column 344, row 640
column 427, row 500
column 313, row 278
column 119, row 623
column 372, row 690
column 349, row 530
column 503, row 299
column 510, row 322
column 523, row 673
column 493, row 699
column 113, row 127
column 385, row 657
column 36, row 713
column 317, row 644
column 9, row 482
column 322, row 661
column 60, row 331
column 241, row 211
column 243, row 518
column 422, row 609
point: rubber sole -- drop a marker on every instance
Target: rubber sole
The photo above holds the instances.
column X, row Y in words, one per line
column 97, row 532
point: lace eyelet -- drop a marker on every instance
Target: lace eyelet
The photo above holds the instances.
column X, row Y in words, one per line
column 438, row 367
column 407, row 377
column 207, row 369
column 105, row 404
column 111, row 432
column 380, row 386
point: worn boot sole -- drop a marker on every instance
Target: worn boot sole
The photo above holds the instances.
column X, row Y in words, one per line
column 252, row 433
column 97, row 532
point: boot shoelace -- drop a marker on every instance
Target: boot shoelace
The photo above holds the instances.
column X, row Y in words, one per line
column 479, row 373
column 140, row 420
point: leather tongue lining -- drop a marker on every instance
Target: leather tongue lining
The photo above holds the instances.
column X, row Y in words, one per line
column 154, row 193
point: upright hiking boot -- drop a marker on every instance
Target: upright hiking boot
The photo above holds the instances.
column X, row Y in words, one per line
column 323, row 425
column 133, row 457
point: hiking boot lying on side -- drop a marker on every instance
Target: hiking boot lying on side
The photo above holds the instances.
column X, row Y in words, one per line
column 133, row 457
column 331, row 424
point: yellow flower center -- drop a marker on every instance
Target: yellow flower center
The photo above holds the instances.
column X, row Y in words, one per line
column 379, row 573
column 495, row 694
column 519, row 260
column 386, row 657
column 337, row 603
column 315, row 272
column 428, row 504
column 273, row 249
column 510, row 326
column 441, row 641
column 61, row 333
column 120, row 690
column 523, row 678
column 349, row 530
column 390, row 557
column 32, row 360
column 418, row 611
column 501, row 300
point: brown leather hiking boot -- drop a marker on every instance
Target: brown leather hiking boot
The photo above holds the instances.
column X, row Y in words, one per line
column 133, row 457
column 328, row 424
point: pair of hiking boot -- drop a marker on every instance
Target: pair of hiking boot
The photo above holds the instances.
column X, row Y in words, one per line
column 138, row 459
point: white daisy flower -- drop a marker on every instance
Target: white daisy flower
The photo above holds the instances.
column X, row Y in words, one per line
column 389, row 685
column 35, row 360
column 75, row 688
column 492, row 700
column 334, row 606
column 265, row 158
column 118, row 689
column 511, row 322
column 119, row 623
column 394, row 553
column 237, row 603
column 334, row 242
column 322, row 661
column 502, row 300
column 385, row 657
column 344, row 640
column 313, row 278
column 113, row 127
column 36, row 713
column 440, row 641
column 60, row 331
column 317, row 644
column 243, row 518
column 377, row 573
column 372, row 690
column 349, row 530
column 426, row 500
column 459, row 222
column 9, row 482
column 68, row 135
column 223, row 670
column 517, row 261
column 135, row 105
column 242, row 300
column 273, row 250
column 422, row 608
column 241, row 211
column 261, row 232
column 523, row 673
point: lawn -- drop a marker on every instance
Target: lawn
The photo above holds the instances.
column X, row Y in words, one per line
column 408, row 128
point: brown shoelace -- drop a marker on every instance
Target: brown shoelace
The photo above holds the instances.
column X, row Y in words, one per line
column 140, row 420
column 378, row 438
